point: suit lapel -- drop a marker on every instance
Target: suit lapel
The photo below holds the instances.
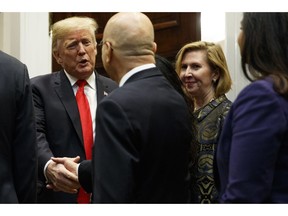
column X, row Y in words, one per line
column 66, row 95
column 100, row 88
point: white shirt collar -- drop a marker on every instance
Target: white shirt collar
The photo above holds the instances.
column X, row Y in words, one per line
column 134, row 71
column 91, row 80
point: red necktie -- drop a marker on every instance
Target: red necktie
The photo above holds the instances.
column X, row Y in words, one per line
column 87, row 131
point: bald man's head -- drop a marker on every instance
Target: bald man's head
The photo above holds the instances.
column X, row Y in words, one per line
column 130, row 33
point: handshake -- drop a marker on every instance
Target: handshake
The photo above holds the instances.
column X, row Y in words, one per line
column 62, row 174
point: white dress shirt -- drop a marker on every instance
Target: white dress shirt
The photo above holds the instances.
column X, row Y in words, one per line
column 134, row 71
column 91, row 94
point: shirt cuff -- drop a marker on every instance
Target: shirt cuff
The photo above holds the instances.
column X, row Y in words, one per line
column 45, row 167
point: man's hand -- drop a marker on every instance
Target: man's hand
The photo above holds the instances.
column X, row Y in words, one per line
column 62, row 178
column 69, row 163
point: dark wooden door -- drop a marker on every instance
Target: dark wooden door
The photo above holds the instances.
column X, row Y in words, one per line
column 172, row 31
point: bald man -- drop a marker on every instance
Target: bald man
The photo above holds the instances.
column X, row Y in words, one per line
column 143, row 127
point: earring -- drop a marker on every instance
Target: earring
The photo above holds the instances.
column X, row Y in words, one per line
column 214, row 80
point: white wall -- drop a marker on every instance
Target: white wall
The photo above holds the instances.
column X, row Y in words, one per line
column 26, row 36
column 232, row 52
column 223, row 28
column 10, row 33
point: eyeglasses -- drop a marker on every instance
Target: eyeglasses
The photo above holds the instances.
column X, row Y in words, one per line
column 103, row 42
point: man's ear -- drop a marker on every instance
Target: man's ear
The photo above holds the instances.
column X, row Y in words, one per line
column 108, row 51
column 57, row 57
column 154, row 47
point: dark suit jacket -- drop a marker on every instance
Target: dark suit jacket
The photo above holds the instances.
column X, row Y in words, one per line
column 59, row 132
column 252, row 154
column 142, row 144
column 18, row 149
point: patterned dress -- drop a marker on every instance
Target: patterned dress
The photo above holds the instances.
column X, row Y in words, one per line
column 210, row 119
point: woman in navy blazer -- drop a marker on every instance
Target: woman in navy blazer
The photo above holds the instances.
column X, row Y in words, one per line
column 252, row 155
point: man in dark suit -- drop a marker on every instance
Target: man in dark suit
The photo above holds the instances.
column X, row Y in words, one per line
column 141, row 150
column 18, row 149
column 59, row 131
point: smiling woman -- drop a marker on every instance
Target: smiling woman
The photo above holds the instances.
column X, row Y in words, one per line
column 203, row 69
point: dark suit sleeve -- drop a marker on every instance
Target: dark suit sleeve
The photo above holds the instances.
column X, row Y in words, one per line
column 255, row 144
column 44, row 152
column 114, row 157
column 24, row 146
column 85, row 175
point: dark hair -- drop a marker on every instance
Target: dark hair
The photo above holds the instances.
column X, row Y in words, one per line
column 167, row 69
column 265, row 48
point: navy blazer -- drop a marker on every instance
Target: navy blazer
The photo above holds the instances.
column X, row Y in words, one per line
column 252, row 155
column 18, row 149
column 142, row 145
column 59, row 132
